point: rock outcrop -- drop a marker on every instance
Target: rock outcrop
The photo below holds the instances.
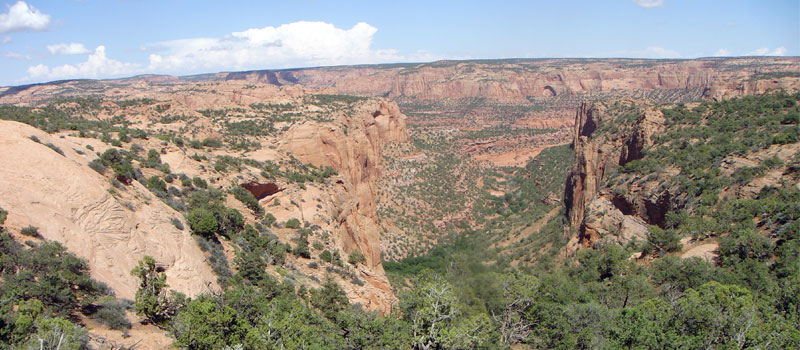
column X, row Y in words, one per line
column 72, row 204
column 354, row 149
column 624, row 215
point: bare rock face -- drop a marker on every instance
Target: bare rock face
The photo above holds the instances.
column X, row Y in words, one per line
column 598, row 214
column 71, row 203
column 354, row 148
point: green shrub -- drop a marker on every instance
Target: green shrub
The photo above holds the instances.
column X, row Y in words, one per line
column 661, row 241
column 356, row 257
column 269, row 219
column 121, row 163
column 153, row 159
column 152, row 300
column 3, row 215
column 186, row 181
column 326, row 256
column 742, row 245
column 247, row 198
column 31, row 231
column 158, row 186
column 199, row 182
column 292, row 223
column 336, row 258
column 302, row 250
column 213, row 143
column 202, row 222
column 58, row 333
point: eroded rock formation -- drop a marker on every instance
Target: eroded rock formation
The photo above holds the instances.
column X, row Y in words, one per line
column 355, row 150
column 624, row 215
column 261, row 190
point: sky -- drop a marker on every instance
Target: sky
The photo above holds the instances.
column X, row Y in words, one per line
column 45, row 40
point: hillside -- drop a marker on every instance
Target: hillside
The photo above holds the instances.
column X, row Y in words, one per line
column 287, row 178
column 679, row 230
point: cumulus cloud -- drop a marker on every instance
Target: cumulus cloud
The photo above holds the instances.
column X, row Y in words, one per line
column 97, row 65
column 289, row 45
column 21, row 17
column 722, row 53
column 765, row 51
column 295, row 44
column 649, row 3
column 68, row 49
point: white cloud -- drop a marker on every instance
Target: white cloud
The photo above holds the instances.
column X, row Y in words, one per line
column 649, row 3
column 68, row 49
column 21, row 17
column 649, row 52
column 97, row 65
column 17, row 56
column 5, row 40
column 723, row 53
column 295, row 44
column 38, row 70
column 764, row 51
column 289, row 45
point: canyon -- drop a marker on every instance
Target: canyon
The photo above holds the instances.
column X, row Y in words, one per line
column 366, row 163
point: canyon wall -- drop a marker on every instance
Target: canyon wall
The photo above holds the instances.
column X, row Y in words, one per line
column 624, row 217
column 352, row 145
column 520, row 80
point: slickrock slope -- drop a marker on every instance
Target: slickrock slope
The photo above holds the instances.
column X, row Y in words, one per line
column 70, row 203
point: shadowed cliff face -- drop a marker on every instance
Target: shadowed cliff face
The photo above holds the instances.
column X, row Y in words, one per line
column 260, row 190
column 597, row 153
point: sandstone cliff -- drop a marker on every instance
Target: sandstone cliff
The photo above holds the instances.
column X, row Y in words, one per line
column 518, row 80
column 597, row 212
column 352, row 144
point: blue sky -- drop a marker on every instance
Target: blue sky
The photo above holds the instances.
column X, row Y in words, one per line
column 64, row 39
